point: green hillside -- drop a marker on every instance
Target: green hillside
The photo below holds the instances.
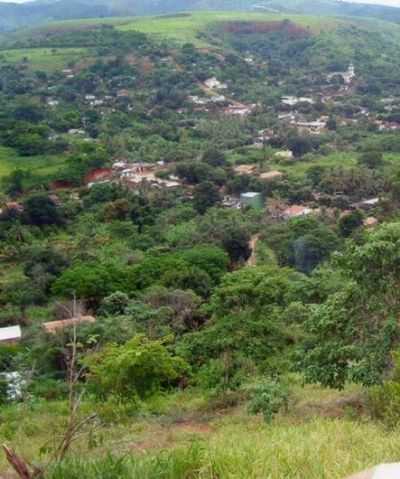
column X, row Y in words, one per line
column 371, row 44
column 200, row 243
column 188, row 27
column 48, row 59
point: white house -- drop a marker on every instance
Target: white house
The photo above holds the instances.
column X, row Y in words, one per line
column 213, row 83
column 295, row 100
column 11, row 334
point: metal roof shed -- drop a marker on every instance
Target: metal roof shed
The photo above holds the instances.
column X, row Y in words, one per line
column 10, row 334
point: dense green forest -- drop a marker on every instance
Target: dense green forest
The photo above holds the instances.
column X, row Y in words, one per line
column 199, row 247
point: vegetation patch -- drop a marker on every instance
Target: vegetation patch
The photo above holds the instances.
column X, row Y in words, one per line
column 247, row 28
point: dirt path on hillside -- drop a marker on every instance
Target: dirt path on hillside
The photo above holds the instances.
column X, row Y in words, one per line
column 252, row 261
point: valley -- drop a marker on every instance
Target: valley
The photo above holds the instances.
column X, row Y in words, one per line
column 199, row 243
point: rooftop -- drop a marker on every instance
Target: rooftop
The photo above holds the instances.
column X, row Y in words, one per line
column 55, row 326
column 250, row 194
column 271, row 175
column 10, row 333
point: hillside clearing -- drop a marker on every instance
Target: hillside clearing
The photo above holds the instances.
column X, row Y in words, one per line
column 188, row 27
column 48, row 59
column 39, row 165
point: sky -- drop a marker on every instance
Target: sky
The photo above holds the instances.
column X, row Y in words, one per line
column 392, row 3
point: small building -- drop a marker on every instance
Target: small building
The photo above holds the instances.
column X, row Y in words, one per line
column 120, row 165
column 295, row 100
column 348, row 76
column 253, row 199
column 296, row 211
column 15, row 207
column 245, row 169
column 284, row 155
column 123, row 93
column 213, row 83
column 10, row 335
column 54, row 327
column 197, row 100
column 76, row 131
column 218, row 99
column 366, row 204
column 239, row 109
column 271, row 175
column 170, row 184
column 311, row 127
column 231, row 202
column 97, row 103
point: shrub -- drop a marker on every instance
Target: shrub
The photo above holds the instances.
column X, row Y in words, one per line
column 383, row 401
column 269, row 398
column 113, row 410
column 3, row 391
column 8, row 354
column 49, row 389
column 139, row 367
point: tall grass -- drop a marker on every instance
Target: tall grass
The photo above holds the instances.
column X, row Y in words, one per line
column 179, row 463
column 320, row 449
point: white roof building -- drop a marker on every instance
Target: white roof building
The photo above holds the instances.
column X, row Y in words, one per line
column 10, row 334
column 294, row 100
column 213, row 83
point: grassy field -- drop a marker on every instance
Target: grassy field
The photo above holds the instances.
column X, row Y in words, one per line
column 299, row 167
column 320, row 449
column 180, row 436
column 186, row 27
column 47, row 59
column 296, row 167
column 39, row 165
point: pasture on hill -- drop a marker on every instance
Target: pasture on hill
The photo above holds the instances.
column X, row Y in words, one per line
column 188, row 27
column 46, row 59
column 41, row 165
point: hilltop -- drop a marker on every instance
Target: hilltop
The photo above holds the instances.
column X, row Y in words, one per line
column 13, row 16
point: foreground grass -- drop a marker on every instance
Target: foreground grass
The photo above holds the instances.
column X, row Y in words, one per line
column 184, row 435
column 249, row 449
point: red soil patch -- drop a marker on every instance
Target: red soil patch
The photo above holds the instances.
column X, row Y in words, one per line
column 193, row 427
column 248, row 28
column 98, row 175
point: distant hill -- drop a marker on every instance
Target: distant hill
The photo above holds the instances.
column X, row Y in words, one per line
column 13, row 16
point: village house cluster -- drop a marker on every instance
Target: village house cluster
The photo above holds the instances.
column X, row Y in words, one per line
column 133, row 175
